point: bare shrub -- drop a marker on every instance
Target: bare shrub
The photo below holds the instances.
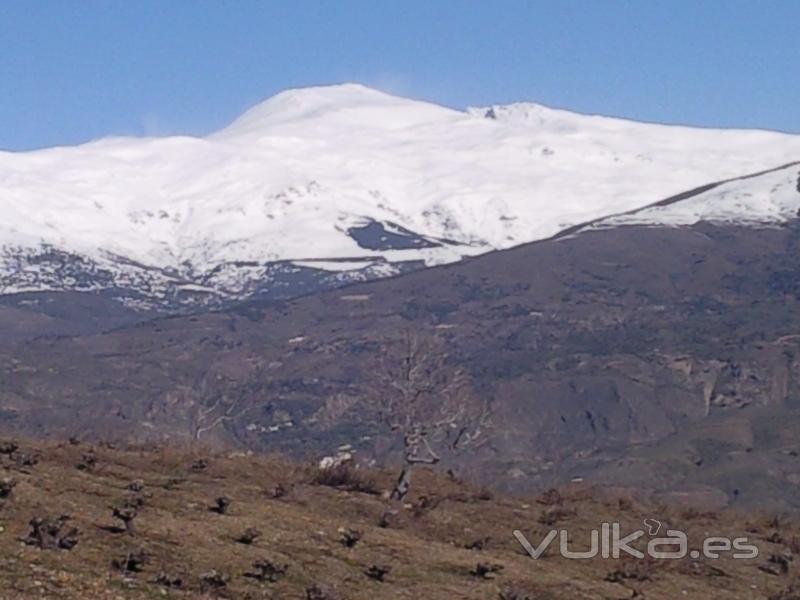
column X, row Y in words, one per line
column 221, row 505
column 88, row 461
column 279, row 491
column 8, row 447
column 52, row 533
column 169, row 581
column 378, row 572
column 213, row 580
column 320, row 592
column 126, row 514
column 478, row 544
column 248, row 536
column 551, row 497
column 387, row 518
column 267, row 570
column 517, row 592
column 7, row 485
column 777, row 564
column 130, row 562
column 350, row 537
column 485, row 570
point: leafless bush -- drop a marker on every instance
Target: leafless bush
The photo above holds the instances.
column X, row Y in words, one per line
column 484, row 494
column 279, row 491
column 168, row 581
column 350, row 537
column 221, row 505
column 7, row 485
column 378, row 572
column 126, row 514
column 201, row 464
column 248, row 536
column 52, row 533
column 516, row 592
column 137, row 500
column 774, row 538
column 173, row 482
column 267, row 570
column 777, row 564
column 8, row 447
column 387, row 518
column 88, row 461
column 131, row 562
column 320, row 592
column 213, row 580
column 486, row 570
column 791, row 592
column 424, row 504
column 551, row 497
column 25, row 459
column 478, row 544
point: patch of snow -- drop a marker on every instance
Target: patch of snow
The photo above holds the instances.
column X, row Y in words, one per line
column 767, row 199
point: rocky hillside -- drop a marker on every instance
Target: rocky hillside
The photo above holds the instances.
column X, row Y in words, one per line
column 663, row 359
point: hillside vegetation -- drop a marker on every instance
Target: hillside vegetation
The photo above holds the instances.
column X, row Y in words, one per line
column 96, row 522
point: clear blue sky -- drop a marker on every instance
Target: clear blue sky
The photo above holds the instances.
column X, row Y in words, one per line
column 75, row 70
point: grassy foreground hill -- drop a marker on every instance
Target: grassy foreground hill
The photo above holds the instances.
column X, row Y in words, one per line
column 96, row 522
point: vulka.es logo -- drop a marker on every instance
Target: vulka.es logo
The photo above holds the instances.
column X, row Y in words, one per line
column 608, row 542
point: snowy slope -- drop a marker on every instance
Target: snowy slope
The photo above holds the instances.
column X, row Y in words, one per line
column 316, row 183
column 767, row 199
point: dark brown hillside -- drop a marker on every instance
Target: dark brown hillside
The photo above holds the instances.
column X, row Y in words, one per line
column 26, row 316
column 590, row 349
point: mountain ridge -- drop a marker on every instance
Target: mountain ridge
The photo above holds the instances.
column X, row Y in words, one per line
column 181, row 222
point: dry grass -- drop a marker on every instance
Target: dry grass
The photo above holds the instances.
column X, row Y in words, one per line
column 437, row 546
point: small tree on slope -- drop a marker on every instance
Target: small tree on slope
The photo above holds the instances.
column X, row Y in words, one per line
column 219, row 399
column 425, row 398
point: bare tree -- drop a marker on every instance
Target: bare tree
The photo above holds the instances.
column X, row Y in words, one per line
column 429, row 401
column 221, row 399
column 219, row 409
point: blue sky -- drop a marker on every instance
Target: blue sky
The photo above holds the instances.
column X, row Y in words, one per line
column 75, row 70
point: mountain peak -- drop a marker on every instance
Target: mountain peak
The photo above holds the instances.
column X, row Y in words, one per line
column 320, row 96
column 350, row 103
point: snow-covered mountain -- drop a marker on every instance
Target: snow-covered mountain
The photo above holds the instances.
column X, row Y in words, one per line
column 319, row 186
column 761, row 199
